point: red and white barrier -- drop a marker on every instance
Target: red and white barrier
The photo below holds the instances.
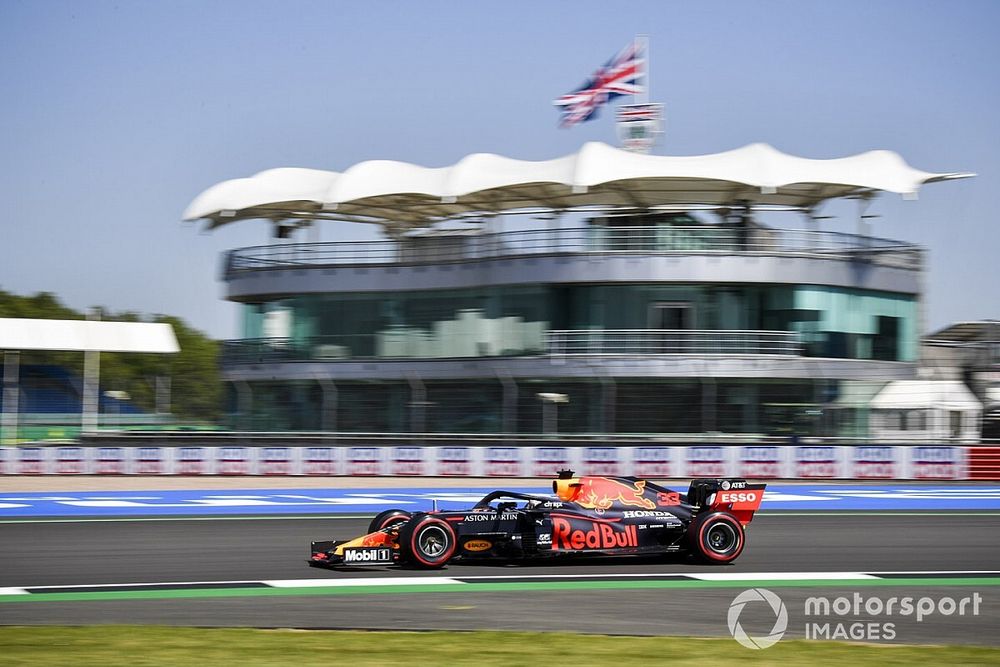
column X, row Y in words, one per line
column 815, row 462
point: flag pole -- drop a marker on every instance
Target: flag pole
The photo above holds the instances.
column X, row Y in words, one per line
column 642, row 46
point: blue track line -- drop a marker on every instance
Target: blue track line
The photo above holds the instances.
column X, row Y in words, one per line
column 370, row 501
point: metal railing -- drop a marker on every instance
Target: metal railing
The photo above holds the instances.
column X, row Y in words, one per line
column 318, row 348
column 661, row 341
column 594, row 239
column 260, row 438
column 642, row 342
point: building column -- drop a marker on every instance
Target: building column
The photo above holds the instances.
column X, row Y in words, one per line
column 550, row 418
column 708, row 405
column 244, row 403
column 418, row 404
column 328, row 418
column 609, row 398
column 509, row 415
column 753, row 404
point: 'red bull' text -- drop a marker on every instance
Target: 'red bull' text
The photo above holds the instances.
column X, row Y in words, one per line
column 599, row 536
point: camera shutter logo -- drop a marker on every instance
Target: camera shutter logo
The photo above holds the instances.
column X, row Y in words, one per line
column 780, row 620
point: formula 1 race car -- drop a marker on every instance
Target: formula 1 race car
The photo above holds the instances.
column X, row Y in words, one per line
column 588, row 515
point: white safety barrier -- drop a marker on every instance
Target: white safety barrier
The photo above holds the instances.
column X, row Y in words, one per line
column 754, row 461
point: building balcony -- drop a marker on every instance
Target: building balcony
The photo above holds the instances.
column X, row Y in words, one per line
column 646, row 342
column 463, row 247
column 409, row 345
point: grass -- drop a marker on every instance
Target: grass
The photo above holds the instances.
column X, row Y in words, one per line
column 110, row 645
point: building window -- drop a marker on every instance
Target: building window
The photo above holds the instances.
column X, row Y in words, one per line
column 891, row 420
column 671, row 315
column 885, row 344
column 913, row 420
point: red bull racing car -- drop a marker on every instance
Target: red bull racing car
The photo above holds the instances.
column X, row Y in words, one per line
column 587, row 515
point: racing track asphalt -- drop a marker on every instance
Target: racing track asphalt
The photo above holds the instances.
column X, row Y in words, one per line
column 133, row 551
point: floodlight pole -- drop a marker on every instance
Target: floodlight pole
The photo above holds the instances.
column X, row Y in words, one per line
column 162, row 394
column 550, row 411
column 11, row 364
column 91, row 382
column 91, row 374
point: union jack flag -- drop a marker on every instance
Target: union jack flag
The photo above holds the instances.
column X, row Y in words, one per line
column 618, row 77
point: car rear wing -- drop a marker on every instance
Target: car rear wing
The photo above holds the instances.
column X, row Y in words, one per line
column 734, row 496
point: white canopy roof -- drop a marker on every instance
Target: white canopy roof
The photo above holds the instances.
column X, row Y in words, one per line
column 914, row 394
column 406, row 195
column 86, row 335
column 982, row 332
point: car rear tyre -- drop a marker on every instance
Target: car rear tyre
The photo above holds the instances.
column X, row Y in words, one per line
column 716, row 537
column 427, row 542
column 388, row 518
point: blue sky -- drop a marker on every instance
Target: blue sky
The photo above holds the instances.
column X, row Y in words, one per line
column 115, row 115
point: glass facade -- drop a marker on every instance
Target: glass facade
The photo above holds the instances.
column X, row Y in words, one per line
column 831, row 322
column 600, row 405
column 843, row 323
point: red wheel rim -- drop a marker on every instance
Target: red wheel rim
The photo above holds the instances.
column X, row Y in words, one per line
column 737, row 531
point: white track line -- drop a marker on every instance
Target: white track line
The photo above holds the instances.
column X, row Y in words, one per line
column 780, row 576
column 366, row 581
column 710, row 576
column 606, row 575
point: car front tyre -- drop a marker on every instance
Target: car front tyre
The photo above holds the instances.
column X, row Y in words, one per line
column 427, row 542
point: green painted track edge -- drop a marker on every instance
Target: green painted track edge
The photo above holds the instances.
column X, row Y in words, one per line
column 492, row 587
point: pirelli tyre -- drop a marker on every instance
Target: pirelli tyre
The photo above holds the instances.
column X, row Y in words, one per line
column 426, row 542
column 716, row 538
column 388, row 518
